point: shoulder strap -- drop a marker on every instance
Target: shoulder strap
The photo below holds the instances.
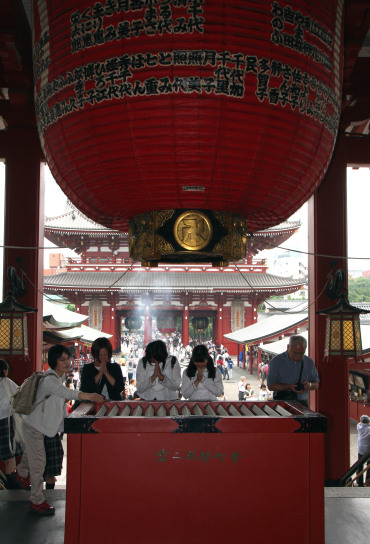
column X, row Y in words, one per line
column 173, row 361
column 300, row 373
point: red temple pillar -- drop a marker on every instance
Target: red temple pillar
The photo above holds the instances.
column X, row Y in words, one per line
column 185, row 324
column 112, row 325
column 147, row 326
column 117, row 322
column 24, row 231
column 220, row 328
column 328, row 236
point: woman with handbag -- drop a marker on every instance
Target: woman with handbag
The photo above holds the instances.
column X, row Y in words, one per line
column 7, row 431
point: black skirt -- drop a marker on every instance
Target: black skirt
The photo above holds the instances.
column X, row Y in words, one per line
column 5, row 452
column 54, row 456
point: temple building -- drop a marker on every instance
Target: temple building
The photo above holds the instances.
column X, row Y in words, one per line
column 107, row 285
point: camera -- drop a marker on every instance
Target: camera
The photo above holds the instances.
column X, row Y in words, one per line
column 299, row 387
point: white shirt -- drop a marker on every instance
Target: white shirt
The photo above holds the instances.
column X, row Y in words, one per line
column 4, row 399
column 165, row 390
column 48, row 415
column 242, row 386
column 363, row 430
column 208, row 389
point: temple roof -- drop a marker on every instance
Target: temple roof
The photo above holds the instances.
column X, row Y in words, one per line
column 171, row 281
column 56, row 317
column 74, row 221
column 268, row 328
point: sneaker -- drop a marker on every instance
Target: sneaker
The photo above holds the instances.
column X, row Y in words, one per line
column 17, row 482
column 43, row 509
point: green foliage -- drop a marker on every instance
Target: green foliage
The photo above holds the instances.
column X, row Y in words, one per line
column 71, row 307
column 359, row 289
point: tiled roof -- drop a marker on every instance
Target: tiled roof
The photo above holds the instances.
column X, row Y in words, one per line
column 280, row 345
column 56, row 317
column 170, row 281
column 285, row 305
column 286, row 225
column 72, row 219
column 273, row 326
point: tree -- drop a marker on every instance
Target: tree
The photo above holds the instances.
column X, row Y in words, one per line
column 359, row 289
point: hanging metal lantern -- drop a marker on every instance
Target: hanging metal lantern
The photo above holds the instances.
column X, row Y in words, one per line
column 200, row 324
column 166, row 323
column 133, row 322
column 343, row 333
column 190, row 121
column 13, row 327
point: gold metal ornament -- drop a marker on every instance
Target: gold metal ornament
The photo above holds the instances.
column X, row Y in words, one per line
column 193, row 230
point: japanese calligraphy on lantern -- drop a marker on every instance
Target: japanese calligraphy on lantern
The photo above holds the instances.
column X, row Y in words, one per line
column 118, row 78
column 279, row 84
column 89, row 27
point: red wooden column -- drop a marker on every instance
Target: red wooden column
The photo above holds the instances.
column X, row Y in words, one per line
column 220, row 327
column 185, row 322
column 328, row 236
column 147, row 326
column 24, row 228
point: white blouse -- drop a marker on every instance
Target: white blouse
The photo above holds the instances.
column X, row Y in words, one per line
column 160, row 390
column 208, row 389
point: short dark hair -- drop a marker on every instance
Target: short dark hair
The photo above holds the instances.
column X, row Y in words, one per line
column 101, row 343
column 55, row 352
column 297, row 339
column 3, row 367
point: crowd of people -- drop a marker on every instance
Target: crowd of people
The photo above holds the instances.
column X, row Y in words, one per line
column 153, row 374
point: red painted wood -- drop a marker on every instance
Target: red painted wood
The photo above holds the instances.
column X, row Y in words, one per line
column 73, row 492
column 24, row 205
column 316, row 489
column 185, row 324
column 197, row 467
column 147, row 326
column 328, row 236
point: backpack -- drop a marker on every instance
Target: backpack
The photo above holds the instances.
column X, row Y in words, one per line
column 23, row 399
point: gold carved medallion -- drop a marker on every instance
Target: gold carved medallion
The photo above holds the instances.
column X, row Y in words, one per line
column 193, row 230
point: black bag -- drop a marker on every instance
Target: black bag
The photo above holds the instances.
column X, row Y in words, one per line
column 285, row 395
column 288, row 395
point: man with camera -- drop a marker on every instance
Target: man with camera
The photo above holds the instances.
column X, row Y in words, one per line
column 291, row 374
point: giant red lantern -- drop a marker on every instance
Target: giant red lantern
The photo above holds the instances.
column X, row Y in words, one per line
column 166, row 323
column 188, row 117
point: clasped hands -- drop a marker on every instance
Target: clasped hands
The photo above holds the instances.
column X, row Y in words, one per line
column 157, row 373
column 103, row 370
